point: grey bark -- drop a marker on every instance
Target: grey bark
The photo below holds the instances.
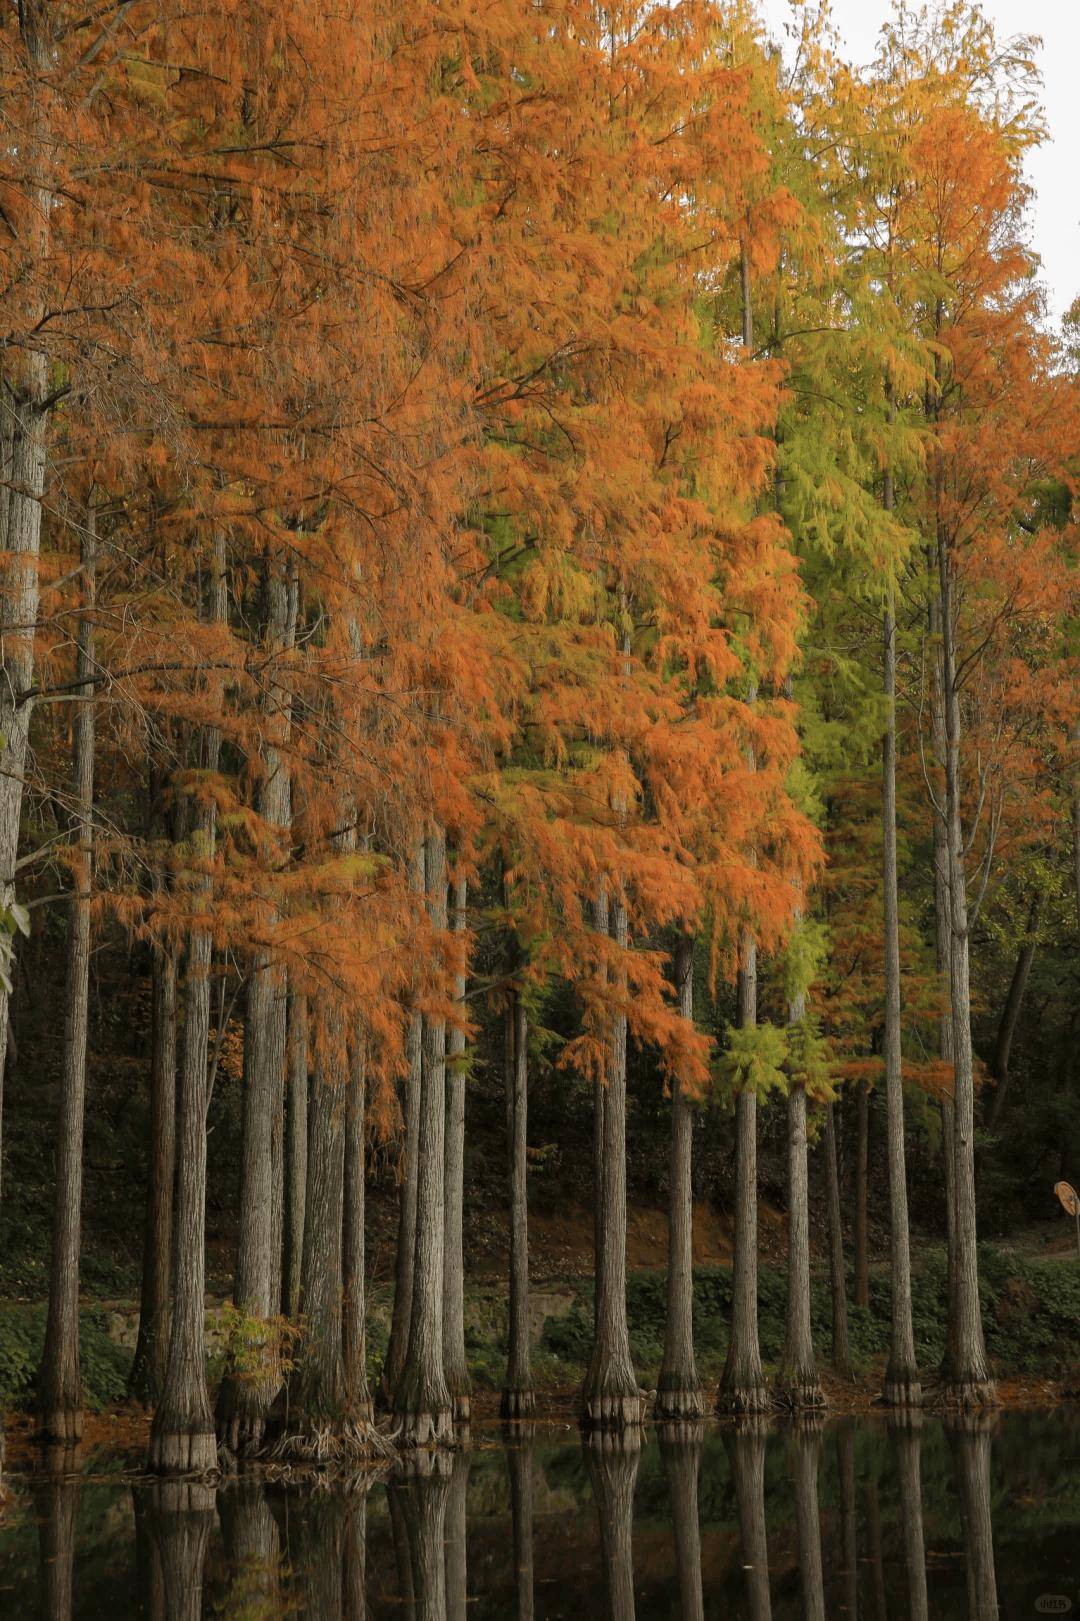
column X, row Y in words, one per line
column 147, row 1377
column 613, row 1466
column 182, row 1438
column 746, row 1454
column 59, row 1379
column 519, row 1459
column 354, row 1316
column 455, row 1366
column 517, row 1400
column 806, row 1442
column 296, row 1150
column 24, row 409
column 742, row 1385
column 841, row 1352
column 862, row 1181
column 967, row 1379
column 679, row 1395
column 902, row 1388
column 317, row 1382
column 611, row 1398
column 422, row 1402
column 244, row 1402
column 680, row 1451
column 405, row 1258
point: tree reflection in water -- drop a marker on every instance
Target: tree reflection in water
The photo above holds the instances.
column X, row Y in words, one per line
column 484, row 1532
column 746, row 1455
column 681, row 1446
column 613, row 1465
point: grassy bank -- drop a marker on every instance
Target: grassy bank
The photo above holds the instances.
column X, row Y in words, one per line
column 1031, row 1312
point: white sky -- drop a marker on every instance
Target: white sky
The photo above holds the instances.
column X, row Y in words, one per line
column 1053, row 171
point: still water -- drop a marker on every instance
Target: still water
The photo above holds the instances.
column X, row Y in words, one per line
column 853, row 1519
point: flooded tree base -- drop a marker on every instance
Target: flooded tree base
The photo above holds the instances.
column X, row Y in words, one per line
column 613, row 1412
column 517, row 1404
column 184, row 1452
column 679, row 1404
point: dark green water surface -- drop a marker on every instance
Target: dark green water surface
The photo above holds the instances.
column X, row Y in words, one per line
column 855, row 1519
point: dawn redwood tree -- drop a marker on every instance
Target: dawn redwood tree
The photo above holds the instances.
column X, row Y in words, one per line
column 517, row 1400
column 182, row 1437
column 296, row 1151
column 354, row 1245
column 455, row 1367
column 797, row 1382
column 59, row 1378
column 678, row 1391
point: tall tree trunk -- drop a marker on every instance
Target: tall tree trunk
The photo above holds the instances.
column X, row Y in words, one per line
column 317, row 1382
column 296, row 1150
column 902, row 1388
column 680, row 1451
column 967, row 1379
column 25, row 410
column 862, row 1184
column 678, row 1392
column 806, row 1442
column 519, row 1459
column 945, row 1027
column 611, row 1399
column 421, row 1400
column 746, row 1454
column 59, row 1379
column 147, row 1377
column 405, row 1258
column 613, row 1466
column 244, row 1401
column 907, row 1445
column 797, row 1382
column 182, row 1438
column 742, row 1385
column 841, row 1351
column 1010, row 1018
column 517, row 1399
column 970, row 1444
column 354, row 1318
column 455, row 1366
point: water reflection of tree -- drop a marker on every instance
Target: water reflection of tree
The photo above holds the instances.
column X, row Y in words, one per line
column 746, row 1455
column 355, row 1559
column 806, row 1445
column 849, row 1564
column 316, row 1554
column 252, row 1550
column 56, row 1501
column 422, row 1492
column 613, row 1465
column 969, row 1440
column 680, row 1449
column 177, row 1517
column 519, row 1458
column 905, row 1432
column 457, row 1596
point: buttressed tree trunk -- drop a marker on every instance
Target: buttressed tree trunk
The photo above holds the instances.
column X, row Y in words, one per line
column 296, row 1151
column 679, row 1396
column 24, row 413
column 59, row 1380
column 455, row 1366
column 517, row 1399
column 245, row 1400
column 967, row 1379
column 841, row 1352
column 797, row 1382
column 611, row 1398
column 902, row 1387
column 742, row 1385
column 354, row 1319
column 421, row 1399
column 182, row 1438
column 405, row 1259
